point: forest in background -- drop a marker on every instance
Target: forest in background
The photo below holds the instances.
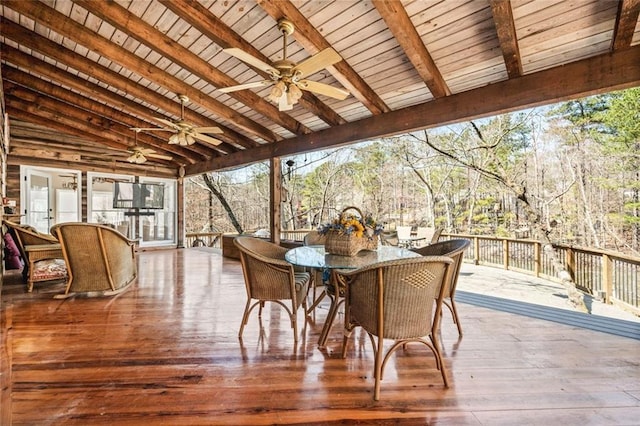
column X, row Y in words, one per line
column 567, row 173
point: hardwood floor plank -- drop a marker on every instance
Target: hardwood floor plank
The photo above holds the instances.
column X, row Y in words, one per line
column 167, row 352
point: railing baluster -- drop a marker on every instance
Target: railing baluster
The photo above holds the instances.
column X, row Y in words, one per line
column 607, row 277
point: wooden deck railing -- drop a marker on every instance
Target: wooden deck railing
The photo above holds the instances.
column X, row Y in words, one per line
column 214, row 239
column 609, row 276
column 204, row 239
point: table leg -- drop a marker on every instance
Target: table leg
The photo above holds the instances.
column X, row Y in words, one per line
column 337, row 298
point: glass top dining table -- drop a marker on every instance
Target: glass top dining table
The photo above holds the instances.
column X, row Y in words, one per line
column 316, row 257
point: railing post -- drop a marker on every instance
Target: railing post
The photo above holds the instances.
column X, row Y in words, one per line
column 476, row 250
column 505, row 253
column 571, row 263
column 607, row 277
column 537, row 265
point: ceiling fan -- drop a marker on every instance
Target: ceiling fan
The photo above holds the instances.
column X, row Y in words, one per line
column 287, row 76
column 184, row 133
column 138, row 154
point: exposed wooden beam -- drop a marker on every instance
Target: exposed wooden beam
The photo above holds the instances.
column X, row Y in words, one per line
column 111, row 133
column 65, row 79
column 313, row 41
column 86, row 148
column 49, row 115
column 506, row 29
column 126, row 168
column 54, row 123
column 58, row 22
column 613, row 71
column 626, row 21
column 13, row 77
column 211, row 26
column 146, row 34
column 404, row 31
column 48, row 48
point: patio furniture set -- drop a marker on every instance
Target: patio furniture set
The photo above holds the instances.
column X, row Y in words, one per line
column 391, row 292
column 93, row 260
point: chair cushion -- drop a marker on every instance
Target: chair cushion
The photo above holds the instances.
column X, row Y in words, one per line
column 302, row 279
column 49, row 269
column 12, row 259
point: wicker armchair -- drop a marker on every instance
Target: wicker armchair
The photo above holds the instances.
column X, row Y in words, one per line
column 100, row 260
column 399, row 300
column 426, row 235
column 269, row 277
column 455, row 250
column 41, row 253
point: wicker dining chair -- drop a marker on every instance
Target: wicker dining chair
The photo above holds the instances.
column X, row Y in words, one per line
column 41, row 253
column 269, row 277
column 454, row 249
column 314, row 238
column 399, row 300
column 389, row 238
column 426, row 235
column 404, row 236
column 100, row 260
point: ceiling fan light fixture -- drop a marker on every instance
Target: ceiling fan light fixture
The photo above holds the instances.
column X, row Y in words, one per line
column 295, row 92
column 289, row 77
column 137, row 158
column 277, row 91
column 182, row 138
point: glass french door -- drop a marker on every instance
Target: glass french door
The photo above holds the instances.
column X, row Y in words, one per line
column 39, row 212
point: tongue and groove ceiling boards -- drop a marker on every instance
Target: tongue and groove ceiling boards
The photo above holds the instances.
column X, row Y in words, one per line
column 85, row 82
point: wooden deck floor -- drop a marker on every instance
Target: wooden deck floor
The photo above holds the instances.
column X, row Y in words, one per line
column 167, row 352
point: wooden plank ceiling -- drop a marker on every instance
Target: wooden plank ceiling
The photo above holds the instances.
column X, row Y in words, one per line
column 79, row 74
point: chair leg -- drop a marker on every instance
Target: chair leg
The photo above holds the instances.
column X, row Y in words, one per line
column 443, row 369
column 456, row 320
column 294, row 325
column 245, row 318
column 378, row 369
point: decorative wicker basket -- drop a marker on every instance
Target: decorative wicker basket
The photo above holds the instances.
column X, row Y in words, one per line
column 348, row 244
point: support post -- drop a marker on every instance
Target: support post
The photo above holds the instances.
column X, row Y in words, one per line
column 275, row 186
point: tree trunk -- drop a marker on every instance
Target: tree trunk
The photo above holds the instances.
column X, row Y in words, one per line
column 227, row 208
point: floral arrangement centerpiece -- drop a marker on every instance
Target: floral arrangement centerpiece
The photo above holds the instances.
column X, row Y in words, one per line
column 351, row 233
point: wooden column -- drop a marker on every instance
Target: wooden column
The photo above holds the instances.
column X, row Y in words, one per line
column 180, row 227
column 275, row 186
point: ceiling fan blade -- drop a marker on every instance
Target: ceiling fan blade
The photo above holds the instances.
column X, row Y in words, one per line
column 207, row 139
column 147, row 129
column 317, row 62
column 323, row 89
column 214, row 130
column 245, row 86
column 251, row 60
column 168, row 123
column 160, row 156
